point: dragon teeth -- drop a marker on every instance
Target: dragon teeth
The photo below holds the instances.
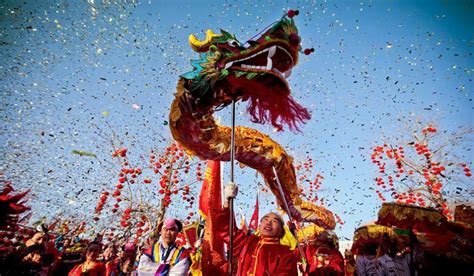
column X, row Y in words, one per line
column 268, row 67
column 269, row 64
column 246, row 66
column 228, row 65
column 271, row 51
column 284, row 75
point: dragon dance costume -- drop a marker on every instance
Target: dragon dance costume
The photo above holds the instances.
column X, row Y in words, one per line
column 256, row 72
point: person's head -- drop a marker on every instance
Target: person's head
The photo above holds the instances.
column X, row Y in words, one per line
column 129, row 250
column 110, row 252
column 369, row 249
column 323, row 237
column 32, row 254
column 271, row 226
column 170, row 230
column 66, row 242
column 327, row 237
column 92, row 251
column 98, row 238
column 388, row 246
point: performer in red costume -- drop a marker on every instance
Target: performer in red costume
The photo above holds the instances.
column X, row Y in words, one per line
column 258, row 255
column 324, row 258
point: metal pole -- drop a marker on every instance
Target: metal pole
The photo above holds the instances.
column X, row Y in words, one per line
column 288, row 212
column 231, row 200
column 232, row 143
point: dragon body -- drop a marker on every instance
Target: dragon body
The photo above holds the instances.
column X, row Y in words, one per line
column 227, row 71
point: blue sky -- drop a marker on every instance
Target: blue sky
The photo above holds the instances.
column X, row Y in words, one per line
column 378, row 66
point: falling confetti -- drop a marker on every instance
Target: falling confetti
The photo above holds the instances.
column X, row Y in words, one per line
column 84, row 153
column 377, row 67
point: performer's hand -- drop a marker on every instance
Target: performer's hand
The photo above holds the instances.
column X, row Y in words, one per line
column 303, row 267
column 230, row 191
column 197, row 244
column 291, row 227
column 126, row 265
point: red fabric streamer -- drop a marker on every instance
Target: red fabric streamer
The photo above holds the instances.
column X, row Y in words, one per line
column 278, row 110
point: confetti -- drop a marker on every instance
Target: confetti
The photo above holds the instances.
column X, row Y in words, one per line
column 374, row 72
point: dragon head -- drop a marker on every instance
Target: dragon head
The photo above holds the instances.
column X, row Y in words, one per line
column 256, row 71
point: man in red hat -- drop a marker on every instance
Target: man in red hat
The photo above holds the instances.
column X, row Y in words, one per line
column 262, row 254
column 165, row 257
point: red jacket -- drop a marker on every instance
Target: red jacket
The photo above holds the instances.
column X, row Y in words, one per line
column 324, row 260
column 255, row 255
column 97, row 270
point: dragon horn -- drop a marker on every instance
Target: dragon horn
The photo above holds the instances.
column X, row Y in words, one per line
column 202, row 46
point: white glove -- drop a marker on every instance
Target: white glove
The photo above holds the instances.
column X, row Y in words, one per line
column 197, row 244
column 231, row 190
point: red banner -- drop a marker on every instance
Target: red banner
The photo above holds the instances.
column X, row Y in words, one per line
column 253, row 224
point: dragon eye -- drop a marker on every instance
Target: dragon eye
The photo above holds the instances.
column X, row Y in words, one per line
column 233, row 43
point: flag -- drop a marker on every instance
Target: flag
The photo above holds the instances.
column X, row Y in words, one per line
column 243, row 222
column 53, row 224
column 253, row 224
column 288, row 238
column 191, row 232
column 181, row 239
column 210, row 203
column 210, row 198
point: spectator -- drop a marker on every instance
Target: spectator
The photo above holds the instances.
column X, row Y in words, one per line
column 91, row 265
column 165, row 257
column 367, row 263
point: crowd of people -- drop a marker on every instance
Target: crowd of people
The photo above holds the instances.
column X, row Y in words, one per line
column 42, row 255
column 160, row 254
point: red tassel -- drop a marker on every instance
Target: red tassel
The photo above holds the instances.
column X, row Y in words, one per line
column 278, row 111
